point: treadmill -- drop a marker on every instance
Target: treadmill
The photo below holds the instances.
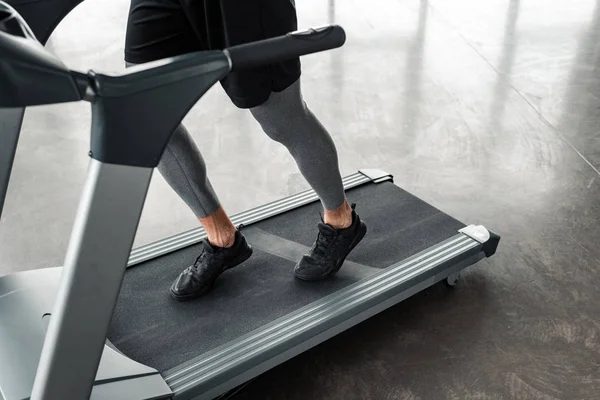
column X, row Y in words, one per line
column 103, row 326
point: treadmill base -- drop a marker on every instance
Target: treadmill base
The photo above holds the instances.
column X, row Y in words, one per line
column 270, row 315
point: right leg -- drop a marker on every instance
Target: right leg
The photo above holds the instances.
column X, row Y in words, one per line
column 184, row 169
column 157, row 29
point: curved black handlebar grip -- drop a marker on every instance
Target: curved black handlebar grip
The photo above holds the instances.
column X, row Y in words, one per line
column 286, row 47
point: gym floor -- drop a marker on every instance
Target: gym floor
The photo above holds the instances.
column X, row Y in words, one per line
column 487, row 110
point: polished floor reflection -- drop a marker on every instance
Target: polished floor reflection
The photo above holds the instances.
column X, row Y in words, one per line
column 488, row 110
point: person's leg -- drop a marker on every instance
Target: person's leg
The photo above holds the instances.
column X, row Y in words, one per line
column 286, row 119
column 184, row 169
column 157, row 29
column 273, row 95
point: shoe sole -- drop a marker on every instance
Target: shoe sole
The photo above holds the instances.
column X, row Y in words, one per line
column 207, row 288
column 333, row 270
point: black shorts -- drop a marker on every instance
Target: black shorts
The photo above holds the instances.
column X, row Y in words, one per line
column 165, row 28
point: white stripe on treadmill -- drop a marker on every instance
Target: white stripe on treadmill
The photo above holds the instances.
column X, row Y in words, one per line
column 293, row 251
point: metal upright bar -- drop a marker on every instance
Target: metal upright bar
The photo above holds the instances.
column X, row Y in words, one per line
column 95, row 263
column 11, row 120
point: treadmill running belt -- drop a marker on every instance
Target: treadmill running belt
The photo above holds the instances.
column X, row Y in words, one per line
column 399, row 224
column 150, row 327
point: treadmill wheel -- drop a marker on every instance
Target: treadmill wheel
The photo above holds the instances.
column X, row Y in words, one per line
column 452, row 279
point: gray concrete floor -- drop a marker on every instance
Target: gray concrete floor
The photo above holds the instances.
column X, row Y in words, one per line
column 487, row 110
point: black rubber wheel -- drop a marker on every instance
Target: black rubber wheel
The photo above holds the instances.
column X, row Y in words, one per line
column 452, row 280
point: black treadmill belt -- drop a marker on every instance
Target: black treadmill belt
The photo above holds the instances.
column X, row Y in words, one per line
column 151, row 328
column 154, row 329
column 399, row 224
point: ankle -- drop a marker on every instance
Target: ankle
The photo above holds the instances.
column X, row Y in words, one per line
column 222, row 239
column 219, row 229
column 339, row 218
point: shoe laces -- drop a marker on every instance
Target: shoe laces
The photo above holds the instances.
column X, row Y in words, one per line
column 194, row 267
column 199, row 259
column 324, row 240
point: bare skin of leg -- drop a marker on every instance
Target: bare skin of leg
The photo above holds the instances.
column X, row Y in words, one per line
column 221, row 231
column 339, row 218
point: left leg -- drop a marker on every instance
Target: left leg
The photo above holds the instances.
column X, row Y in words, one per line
column 273, row 95
column 286, row 119
column 158, row 29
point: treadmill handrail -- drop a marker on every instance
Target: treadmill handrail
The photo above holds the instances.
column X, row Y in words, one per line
column 130, row 123
column 38, row 77
column 292, row 45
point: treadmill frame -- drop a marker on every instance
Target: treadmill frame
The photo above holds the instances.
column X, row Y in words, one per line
column 233, row 363
column 250, row 355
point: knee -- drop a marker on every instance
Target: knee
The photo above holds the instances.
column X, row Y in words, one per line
column 276, row 129
column 280, row 123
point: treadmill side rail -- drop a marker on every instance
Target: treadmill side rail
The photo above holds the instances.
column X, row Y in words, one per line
column 479, row 233
column 476, row 232
column 376, row 175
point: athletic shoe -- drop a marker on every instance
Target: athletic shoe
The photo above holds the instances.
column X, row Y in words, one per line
column 199, row 278
column 330, row 250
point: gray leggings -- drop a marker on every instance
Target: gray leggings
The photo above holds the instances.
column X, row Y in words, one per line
column 286, row 119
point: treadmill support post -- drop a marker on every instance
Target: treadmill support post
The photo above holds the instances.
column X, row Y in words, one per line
column 11, row 120
column 95, row 263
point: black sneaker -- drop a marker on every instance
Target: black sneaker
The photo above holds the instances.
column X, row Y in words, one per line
column 199, row 278
column 330, row 250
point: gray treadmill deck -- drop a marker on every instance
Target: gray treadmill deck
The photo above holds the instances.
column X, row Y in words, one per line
column 153, row 329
